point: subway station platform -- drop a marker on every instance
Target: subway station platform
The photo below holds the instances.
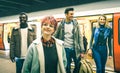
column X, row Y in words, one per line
column 6, row 66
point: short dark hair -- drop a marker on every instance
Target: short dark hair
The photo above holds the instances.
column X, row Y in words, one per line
column 23, row 13
column 68, row 9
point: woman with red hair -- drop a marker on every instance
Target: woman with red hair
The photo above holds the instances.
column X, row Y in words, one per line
column 46, row 54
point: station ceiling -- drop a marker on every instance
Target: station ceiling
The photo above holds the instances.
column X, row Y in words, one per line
column 14, row 7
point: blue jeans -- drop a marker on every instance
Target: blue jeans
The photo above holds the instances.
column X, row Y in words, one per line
column 100, row 58
column 70, row 54
column 19, row 64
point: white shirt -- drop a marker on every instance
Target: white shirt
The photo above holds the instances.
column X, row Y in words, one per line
column 24, row 32
column 68, row 40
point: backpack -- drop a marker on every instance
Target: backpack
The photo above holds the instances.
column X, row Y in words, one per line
column 85, row 66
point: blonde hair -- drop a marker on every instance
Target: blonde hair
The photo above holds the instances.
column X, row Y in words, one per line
column 106, row 23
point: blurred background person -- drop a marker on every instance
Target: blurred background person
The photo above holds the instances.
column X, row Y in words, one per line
column 85, row 42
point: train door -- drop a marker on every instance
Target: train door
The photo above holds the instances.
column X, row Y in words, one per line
column 7, row 33
column 116, row 40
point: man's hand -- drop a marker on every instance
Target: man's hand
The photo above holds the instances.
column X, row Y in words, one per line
column 82, row 55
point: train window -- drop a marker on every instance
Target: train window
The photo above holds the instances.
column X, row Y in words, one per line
column 1, row 37
column 1, row 31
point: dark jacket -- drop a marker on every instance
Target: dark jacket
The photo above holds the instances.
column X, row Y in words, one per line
column 15, row 42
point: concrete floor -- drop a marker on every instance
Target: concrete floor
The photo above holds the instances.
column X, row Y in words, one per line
column 6, row 66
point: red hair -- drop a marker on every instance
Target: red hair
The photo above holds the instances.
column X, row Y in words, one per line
column 49, row 20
